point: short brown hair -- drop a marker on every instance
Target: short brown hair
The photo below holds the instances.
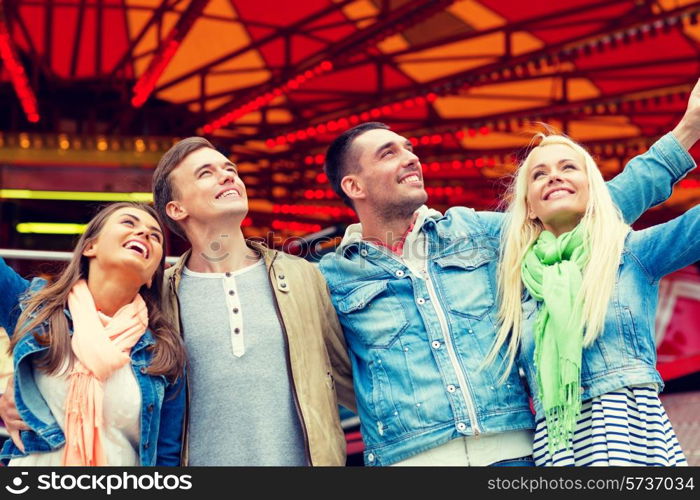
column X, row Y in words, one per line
column 338, row 162
column 163, row 191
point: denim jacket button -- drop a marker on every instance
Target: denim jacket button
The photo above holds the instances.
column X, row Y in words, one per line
column 461, row 426
column 363, row 252
column 451, row 388
column 143, row 369
column 436, row 344
column 370, row 457
column 400, row 273
column 420, row 301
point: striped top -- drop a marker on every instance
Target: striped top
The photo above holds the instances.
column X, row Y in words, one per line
column 626, row 427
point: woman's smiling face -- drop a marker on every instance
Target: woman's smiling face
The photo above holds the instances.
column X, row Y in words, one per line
column 130, row 241
column 557, row 187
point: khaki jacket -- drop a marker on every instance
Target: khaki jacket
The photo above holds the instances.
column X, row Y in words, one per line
column 317, row 358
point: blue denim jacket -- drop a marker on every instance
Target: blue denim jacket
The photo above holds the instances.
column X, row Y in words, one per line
column 162, row 403
column 417, row 344
column 624, row 354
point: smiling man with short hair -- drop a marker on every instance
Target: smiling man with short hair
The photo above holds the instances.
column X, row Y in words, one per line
column 415, row 291
column 265, row 351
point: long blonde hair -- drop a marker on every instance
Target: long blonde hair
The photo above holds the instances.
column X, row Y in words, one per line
column 605, row 233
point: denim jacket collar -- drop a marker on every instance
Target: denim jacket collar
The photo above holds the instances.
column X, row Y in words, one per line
column 353, row 233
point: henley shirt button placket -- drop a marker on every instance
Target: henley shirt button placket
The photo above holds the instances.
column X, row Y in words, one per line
column 235, row 318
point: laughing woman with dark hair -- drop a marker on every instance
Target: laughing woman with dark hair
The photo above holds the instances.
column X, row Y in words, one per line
column 98, row 370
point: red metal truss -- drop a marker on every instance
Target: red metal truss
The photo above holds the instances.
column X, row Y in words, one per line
column 18, row 75
column 282, row 79
column 392, row 22
column 512, row 68
column 147, row 82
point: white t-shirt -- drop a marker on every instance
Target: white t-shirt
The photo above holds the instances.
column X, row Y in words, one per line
column 121, row 412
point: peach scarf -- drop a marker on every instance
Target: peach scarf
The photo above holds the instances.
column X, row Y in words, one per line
column 101, row 346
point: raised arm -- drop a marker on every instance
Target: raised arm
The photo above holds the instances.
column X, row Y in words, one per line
column 670, row 246
column 12, row 286
column 648, row 179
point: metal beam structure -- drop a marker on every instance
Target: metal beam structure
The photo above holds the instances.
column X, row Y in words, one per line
column 284, row 81
column 14, row 66
column 147, row 81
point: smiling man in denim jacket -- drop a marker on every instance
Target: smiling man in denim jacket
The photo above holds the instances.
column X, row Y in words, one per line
column 415, row 292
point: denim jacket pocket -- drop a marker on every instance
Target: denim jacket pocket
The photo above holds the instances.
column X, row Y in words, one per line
column 465, row 282
column 630, row 333
column 374, row 313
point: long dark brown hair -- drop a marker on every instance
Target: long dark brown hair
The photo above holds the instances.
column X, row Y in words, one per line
column 48, row 304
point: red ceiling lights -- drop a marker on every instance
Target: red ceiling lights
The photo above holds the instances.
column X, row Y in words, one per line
column 318, row 159
column 262, row 100
column 296, row 226
column 314, row 210
column 340, row 124
column 20, row 82
column 319, row 194
column 424, row 140
column 147, row 83
column 458, row 165
column 445, row 191
column 437, row 139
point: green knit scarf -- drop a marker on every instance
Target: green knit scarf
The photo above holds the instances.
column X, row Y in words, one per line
column 552, row 272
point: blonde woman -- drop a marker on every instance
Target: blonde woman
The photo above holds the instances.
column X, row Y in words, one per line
column 584, row 334
column 98, row 369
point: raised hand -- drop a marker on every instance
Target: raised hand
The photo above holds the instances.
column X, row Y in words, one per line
column 10, row 416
